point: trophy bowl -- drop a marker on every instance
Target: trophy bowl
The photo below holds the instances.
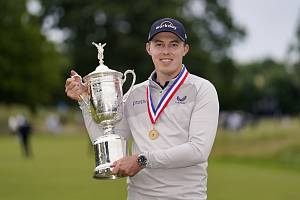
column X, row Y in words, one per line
column 106, row 101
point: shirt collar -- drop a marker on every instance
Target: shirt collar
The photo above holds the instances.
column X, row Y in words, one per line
column 154, row 83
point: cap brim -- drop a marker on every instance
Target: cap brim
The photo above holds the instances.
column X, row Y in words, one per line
column 168, row 30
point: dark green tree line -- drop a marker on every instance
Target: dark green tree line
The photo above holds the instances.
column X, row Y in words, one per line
column 33, row 71
column 30, row 67
column 295, row 50
column 266, row 87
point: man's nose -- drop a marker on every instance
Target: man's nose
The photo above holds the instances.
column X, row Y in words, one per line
column 166, row 50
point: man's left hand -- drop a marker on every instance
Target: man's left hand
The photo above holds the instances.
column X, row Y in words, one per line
column 126, row 166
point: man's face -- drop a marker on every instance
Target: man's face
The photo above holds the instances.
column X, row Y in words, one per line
column 167, row 51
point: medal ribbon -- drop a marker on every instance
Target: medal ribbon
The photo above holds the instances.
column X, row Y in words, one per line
column 153, row 112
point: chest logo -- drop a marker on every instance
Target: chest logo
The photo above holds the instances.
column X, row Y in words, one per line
column 181, row 100
column 142, row 101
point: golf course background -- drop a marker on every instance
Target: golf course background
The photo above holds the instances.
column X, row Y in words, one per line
column 260, row 161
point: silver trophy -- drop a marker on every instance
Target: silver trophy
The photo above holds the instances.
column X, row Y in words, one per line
column 106, row 107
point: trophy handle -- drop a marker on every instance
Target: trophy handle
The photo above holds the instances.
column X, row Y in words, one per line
column 84, row 101
column 132, row 84
column 84, row 78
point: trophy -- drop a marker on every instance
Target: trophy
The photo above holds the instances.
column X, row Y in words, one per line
column 105, row 102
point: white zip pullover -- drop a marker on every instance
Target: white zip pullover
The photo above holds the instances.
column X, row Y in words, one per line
column 178, row 157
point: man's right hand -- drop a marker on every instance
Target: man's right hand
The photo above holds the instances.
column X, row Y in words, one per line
column 74, row 87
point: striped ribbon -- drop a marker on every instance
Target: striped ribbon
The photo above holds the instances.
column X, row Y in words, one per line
column 153, row 112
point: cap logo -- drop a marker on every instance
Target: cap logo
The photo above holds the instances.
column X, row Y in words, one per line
column 166, row 24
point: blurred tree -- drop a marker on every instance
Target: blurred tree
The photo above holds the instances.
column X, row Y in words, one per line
column 30, row 67
column 124, row 26
column 266, row 88
column 294, row 55
column 293, row 63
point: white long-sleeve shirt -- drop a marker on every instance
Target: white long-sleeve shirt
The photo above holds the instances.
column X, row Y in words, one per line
column 178, row 157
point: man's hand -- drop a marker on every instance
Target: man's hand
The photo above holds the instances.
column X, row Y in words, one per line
column 74, row 87
column 126, row 166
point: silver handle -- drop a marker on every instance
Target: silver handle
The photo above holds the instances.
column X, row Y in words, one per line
column 125, row 96
column 81, row 97
column 85, row 102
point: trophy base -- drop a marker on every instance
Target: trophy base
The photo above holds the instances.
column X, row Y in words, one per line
column 108, row 149
column 104, row 174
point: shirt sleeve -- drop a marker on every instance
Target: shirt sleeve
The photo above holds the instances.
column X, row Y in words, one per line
column 95, row 130
column 202, row 132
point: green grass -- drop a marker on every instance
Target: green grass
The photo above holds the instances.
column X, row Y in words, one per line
column 261, row 162
column 270, row 141
column 257, row 162
column 61, row 168
column 234, row 181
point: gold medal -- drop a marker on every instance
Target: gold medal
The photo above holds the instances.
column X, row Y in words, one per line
column 153, row 134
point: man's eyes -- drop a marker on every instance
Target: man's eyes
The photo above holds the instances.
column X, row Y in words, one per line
column 172, row 44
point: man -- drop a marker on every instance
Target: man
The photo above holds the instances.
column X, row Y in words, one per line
column 20, row 125
column 172, row 118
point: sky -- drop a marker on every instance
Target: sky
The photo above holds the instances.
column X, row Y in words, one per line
column 270, row 26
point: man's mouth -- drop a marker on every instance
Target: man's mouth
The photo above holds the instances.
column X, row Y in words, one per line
column 165, row 60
